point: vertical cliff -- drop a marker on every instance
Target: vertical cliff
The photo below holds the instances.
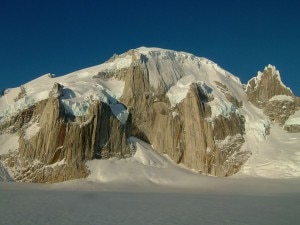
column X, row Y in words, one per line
column 54, row 145
column 185, row 132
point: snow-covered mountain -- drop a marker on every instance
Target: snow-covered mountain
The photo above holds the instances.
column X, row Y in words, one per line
column 186, row 107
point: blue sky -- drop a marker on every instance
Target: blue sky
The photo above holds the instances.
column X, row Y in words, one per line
column 38, row 37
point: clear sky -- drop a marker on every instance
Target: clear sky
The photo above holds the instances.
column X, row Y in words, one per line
column 60, row 36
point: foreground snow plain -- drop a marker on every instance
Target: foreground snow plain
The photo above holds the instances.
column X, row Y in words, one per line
column 217, row 201
column 47, row 204
column 150, row 189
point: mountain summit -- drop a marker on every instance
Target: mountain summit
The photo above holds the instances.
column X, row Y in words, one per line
column 184, row 106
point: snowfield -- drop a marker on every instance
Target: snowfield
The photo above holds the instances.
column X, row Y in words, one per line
column 149, row 188
column 215, row 201
column 276, row 157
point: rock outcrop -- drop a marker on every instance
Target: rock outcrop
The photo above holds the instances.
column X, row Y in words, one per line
column 184, row 106
column 292, row 128
column 266, row 91
column 280, row 108
column 266, row 85
column 185, row 133
column 61, row 145
column 293, row 123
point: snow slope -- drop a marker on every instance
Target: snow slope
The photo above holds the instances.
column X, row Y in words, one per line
column 79, row 89
column 146, row 166
column 277, row 157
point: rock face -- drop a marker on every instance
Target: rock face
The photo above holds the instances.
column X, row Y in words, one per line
column 266, row 91
column 266, row 85
column 280, row 108
column 185, row 133
column 184, row 106
column 58, row 150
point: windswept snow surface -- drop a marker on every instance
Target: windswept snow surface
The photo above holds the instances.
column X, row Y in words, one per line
column 90, row 204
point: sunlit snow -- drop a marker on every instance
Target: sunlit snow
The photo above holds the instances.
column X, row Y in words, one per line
column 79, row 88
column 282, row 98
column 294, row 119
column 9, row 142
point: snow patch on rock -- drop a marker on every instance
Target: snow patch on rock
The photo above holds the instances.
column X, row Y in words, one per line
column 120, row 112
column 75, row 108
column 294, row 119
column 59, row 163
column 222, row 107
column 22, row 104
column 78, row 89
column 9, row 142
column 282, row 98
column 32, row 130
